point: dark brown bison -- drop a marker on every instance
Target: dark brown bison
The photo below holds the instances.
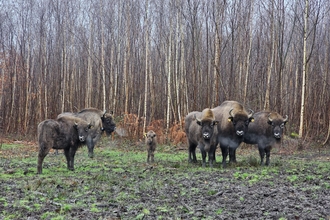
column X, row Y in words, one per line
column 201, row 131
column 151, row 142
column 67, row 133
column 233, row 125
column 100, row 121
column 265, row 131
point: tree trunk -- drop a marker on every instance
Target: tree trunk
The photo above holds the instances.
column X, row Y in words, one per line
column 302, row 107
column 146, row 28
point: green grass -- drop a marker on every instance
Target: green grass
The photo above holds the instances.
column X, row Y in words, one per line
column 118, row 179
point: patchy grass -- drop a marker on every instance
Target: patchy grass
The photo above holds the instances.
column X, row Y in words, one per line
column 119, row 184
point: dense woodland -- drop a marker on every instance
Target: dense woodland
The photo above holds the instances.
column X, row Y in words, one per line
column 159, row 60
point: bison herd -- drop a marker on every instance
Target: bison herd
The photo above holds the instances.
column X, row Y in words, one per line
column 227, row 125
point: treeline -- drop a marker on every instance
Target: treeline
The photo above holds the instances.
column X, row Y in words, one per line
column 162, row 59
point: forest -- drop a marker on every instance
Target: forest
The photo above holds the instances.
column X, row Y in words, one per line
column 155, row 61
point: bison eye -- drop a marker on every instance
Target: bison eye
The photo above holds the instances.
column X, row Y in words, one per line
column 282, row 125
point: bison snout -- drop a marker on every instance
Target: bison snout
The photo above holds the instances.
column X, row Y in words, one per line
column 240, row 133
column 277, row 135
column 81, row 138
column 206, row 136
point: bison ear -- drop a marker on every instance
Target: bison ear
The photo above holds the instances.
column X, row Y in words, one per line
column 251, row 119
column 90, row 126
column 230, row 119
column 199, row 122
column 270, row 122
column 215, row 122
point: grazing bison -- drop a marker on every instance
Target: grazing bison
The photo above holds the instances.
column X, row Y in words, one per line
column 201, row 130
column 266, row 131
column 151, row 142
column 100, row 121
column 233, row 125
column 67, row 133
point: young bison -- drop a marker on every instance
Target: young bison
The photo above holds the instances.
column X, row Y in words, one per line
column 66, row 133
column 151, row 142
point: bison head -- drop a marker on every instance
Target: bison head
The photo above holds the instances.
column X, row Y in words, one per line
column 108, row 124
column 207, row 123
column 240, row 121
column 150, row 136
column 277, row 124
column 83, row 129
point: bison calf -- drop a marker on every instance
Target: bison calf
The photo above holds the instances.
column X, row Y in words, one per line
column 201, row 130
column 266, row 131
column 67, row 133
column 151, row 142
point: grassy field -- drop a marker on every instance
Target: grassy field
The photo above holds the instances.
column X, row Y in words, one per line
column 119, row 184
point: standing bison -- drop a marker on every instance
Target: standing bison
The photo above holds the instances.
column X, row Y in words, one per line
column 233, row 125
column 201, row 130
column 100, row 121
column 67, row 133
column 151, row 142
column 266, row 131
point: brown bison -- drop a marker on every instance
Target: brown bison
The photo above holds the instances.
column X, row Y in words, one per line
column 67, row 133
column 233, row 125
column 266, row 131
column 201, row 130
column 100, row 121
column 151, row 142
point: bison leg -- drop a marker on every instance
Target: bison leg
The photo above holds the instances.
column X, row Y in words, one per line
column 69, row 158
column 203, row 152
column 262, row 155
column 150, row 156
column 43, row 151
column 224, row 151
column 232, row 155
column 211, row 157
column 90, row 145
column 267, row 151
column 192, row 153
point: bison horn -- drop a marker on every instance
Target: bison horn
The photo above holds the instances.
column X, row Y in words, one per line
column 269, row 118
column 230, row 112
column 286, row 118
column 251, row 113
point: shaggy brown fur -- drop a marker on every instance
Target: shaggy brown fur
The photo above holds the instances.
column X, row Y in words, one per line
column 151, row 142
column 233, row 124
column 207, row 115
column 67, row 133
column 201, row 130
column 100, row 120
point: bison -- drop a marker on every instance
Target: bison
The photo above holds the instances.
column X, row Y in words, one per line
column 67, row 133
column 233, row 124
column 201, row 130
column 100, row 121
column 266, row 131
column 151, row 142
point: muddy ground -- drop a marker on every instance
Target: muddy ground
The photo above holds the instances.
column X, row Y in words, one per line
column 112, row 187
